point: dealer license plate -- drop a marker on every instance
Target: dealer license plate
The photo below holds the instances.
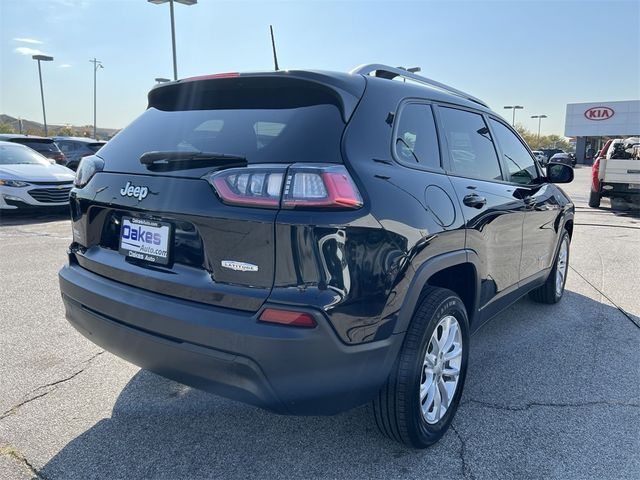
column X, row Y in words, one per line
column 145, row 240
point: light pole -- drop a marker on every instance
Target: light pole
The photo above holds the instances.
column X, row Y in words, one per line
column 42, row 58
column 162, row 80
column 539, row 117
column 173, row 28
column 514, row 108
column 96, row 65
column 410, row 70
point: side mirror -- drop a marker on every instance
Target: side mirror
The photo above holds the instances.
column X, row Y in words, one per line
column 559, row 173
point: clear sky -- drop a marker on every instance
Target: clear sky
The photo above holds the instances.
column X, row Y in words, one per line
column 540, row 54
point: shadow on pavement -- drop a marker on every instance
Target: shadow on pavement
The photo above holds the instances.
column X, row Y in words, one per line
column 28, row 217
column 161, row 429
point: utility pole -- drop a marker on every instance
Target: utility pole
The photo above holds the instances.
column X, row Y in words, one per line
column 96, row 65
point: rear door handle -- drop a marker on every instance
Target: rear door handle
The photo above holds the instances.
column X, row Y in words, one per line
column 474, row 201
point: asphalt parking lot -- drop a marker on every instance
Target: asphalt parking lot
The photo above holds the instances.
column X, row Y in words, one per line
column 552, row 391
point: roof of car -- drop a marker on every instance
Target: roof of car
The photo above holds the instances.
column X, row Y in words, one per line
column 350, row 82
column 79, row 139
column 11, row 144
column 20, row 135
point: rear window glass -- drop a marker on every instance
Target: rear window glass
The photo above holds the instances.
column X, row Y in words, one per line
column 15, row 155
column 37, row 145
column 95, row 146
column 269, row 135
column 263, row 119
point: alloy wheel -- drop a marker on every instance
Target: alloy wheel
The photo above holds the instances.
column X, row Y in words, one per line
column 441, row 369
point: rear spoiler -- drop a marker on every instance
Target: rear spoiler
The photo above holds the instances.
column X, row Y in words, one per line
column 283, row 89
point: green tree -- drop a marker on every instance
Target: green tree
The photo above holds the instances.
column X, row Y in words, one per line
column 35, row 131
column 66, row 131
column 6, row 128
column 544, row 141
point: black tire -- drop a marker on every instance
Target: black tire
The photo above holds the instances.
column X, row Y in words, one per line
column 547, row 293
column 397, row 407
column 594, row 199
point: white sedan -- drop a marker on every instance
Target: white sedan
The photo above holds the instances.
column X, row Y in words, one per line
column 27, row 179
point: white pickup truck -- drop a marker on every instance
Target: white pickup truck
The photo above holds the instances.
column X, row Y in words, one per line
column 616, row 171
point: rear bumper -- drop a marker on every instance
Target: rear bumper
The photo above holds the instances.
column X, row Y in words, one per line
column 608, row 189
column 226, row 351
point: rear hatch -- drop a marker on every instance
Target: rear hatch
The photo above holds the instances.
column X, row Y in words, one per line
column 156, row 183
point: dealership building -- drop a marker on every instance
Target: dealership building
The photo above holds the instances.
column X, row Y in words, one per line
column 592, row 124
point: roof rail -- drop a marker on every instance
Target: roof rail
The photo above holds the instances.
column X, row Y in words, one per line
column 385, row 71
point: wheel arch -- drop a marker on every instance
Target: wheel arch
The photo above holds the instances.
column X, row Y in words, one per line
column 456, row 271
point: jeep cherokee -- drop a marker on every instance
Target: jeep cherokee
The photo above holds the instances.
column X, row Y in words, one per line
column 311, row 241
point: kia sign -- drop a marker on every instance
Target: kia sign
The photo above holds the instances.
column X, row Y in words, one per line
column 600, row 119
column 599, row 113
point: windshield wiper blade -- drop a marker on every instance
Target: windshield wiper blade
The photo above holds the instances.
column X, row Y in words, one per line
column 197, row 158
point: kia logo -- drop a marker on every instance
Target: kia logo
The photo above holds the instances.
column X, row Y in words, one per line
column 599, row 113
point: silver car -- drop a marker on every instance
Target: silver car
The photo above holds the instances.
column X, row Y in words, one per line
column 27, row 179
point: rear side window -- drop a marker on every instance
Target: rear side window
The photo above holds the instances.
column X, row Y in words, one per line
column 471, row 147
column 520, row 165
column 416, row 139
column 66, row 146
column 95, row 146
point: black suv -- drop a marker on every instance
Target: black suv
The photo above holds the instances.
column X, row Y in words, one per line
column 43, row 145
column 311, row 241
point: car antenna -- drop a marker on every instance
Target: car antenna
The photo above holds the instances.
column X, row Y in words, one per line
column 273, row 45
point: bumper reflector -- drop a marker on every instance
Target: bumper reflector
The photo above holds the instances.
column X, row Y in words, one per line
column 288, row 317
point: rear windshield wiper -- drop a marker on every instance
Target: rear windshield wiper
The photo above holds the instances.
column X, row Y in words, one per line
column 180, row 160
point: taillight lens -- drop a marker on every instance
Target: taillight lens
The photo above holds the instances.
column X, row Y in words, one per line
column 595, row 171
column 88, row 167
column 288, row 317
column 298, row 186
column 251, row 187
column 327, row 187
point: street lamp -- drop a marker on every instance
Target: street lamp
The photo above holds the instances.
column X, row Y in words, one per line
column 42, row 58
column 162, row 80
column 514, row 107
column 410, row 70
column 539, row 117
column 173, row 28
column 96, row 65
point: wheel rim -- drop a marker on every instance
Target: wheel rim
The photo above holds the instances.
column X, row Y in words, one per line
column 441, row 369
column 561, row 268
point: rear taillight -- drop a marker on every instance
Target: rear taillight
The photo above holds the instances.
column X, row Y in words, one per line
column 88, row 167
column 251, row 187
column 288, row 317
column 298, row 186
column 595, row 172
